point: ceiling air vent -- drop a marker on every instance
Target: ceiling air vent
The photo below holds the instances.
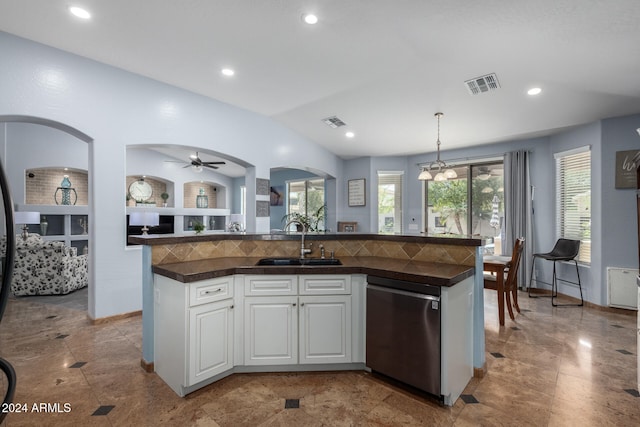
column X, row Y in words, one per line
column 334, row 122
column 482, row 84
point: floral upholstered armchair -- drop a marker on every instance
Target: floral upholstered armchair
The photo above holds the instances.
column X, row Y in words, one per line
column 46, row 268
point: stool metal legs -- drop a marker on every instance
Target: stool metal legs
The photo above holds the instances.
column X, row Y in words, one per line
column 554, row 284
column 554, row 290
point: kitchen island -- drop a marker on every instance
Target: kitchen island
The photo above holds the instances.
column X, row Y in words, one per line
column 221, row 270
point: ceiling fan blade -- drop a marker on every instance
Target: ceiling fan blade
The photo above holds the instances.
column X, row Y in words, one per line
column 186, row 166
column 206, row 165
column 213, row 163
column 174, row 161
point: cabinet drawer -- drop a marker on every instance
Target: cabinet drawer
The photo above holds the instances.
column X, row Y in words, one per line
column 270, row 285
column 324, row 284
column 206, row 291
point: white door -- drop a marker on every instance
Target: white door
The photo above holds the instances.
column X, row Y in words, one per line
column 325, row 329
column 210, row 340
column 271, row 330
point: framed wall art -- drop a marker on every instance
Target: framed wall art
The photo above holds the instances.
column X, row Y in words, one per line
column 357, row 192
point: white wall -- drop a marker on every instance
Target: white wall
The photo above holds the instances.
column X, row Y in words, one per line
column 113, row 109
column 32, row 146
column 142, row 161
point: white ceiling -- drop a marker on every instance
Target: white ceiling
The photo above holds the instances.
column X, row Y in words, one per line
column 384, row 67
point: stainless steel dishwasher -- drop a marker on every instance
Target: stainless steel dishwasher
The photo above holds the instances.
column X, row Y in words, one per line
column 403, row 332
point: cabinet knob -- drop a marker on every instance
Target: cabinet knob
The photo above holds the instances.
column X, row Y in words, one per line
column 301, row 304
column 294, row 304
column 231, row 307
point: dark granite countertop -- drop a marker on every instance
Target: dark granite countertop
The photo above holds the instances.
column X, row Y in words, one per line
column 172, row 239
column 432, row 273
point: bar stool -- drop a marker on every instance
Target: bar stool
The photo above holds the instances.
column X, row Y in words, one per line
column 564, row 250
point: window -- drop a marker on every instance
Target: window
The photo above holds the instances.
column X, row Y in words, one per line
column 573, row 199
column 390, row 202
column 307, row 198
column 468, row 206
column 243, row 200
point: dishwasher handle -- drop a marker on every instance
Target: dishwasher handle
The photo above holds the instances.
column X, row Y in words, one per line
column 405, row 293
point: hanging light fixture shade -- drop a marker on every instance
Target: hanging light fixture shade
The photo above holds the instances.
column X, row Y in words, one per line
column 444, row 172
column 425, row 175
column 450, row 174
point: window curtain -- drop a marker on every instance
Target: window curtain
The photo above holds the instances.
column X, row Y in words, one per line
column 518, row 209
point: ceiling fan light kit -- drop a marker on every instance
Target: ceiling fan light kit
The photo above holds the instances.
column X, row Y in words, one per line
column 197, row 164
column 444, row 172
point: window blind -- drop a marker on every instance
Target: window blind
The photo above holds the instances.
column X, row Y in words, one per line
column 573, row 200
column 390, row 200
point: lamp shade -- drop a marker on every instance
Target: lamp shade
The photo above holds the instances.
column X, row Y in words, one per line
column 151, row 219
column 239, row 218
column 27, row 218
column 424, row 175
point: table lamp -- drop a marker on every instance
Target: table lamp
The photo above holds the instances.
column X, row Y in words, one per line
column 25, row 218
column 146, row 219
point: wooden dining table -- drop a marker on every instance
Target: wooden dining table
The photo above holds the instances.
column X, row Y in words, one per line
column 498, row 265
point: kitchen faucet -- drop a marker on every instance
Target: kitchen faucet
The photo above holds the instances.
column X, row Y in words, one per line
column 303, row 250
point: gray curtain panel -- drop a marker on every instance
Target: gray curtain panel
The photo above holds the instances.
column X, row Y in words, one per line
column 518, row 209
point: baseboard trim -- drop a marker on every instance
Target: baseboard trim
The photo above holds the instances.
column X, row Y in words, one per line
column 147, row 366
column 546, row 293
column 479, row 373
column 108, row 319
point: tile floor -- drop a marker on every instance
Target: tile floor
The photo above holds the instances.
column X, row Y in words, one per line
column 551, row 367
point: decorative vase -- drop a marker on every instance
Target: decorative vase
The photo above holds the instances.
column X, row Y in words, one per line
column 202, row 200
column 44, row 224
column 65, row 189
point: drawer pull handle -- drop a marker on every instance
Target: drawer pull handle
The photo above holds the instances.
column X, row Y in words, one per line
column 212, row 292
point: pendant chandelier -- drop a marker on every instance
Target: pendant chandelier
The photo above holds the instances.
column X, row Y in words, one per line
column 444, row 172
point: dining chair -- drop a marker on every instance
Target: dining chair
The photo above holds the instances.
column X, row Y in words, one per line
column 501, row 275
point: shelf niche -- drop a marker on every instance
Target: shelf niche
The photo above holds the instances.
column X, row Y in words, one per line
column 41, row 185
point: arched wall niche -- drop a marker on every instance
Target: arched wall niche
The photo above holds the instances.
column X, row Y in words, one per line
column 42, row 185
column 215, row 194
column 159, row 186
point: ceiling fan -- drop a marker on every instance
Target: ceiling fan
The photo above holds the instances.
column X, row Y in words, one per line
column 197, row 164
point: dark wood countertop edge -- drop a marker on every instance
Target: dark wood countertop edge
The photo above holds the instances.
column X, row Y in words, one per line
column 159, row 239
column 266, row 270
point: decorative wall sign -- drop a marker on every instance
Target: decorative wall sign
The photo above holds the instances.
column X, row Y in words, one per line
column 357, row 192
column 626, row 169
column 262, row 187
column 262, row 208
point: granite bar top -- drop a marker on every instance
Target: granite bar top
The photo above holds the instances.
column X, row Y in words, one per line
column 172, row 239
column 431, row 273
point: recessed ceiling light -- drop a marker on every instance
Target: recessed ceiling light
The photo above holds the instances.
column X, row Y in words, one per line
column 534, row 91
column 227, row 72
column 350, row 134
column 310, row 18
column 79, row 12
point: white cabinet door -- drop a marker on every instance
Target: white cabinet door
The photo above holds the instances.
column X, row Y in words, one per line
column 325, row 329
column 210, row 340
column 271, row 330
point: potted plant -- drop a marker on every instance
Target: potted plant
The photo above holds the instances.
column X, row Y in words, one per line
column 164, row 197
column 198, row 227
column 311, row 222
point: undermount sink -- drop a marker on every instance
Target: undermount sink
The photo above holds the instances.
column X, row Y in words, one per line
column 299, row 261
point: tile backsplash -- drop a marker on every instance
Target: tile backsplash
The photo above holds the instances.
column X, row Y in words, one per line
column 447, row 254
